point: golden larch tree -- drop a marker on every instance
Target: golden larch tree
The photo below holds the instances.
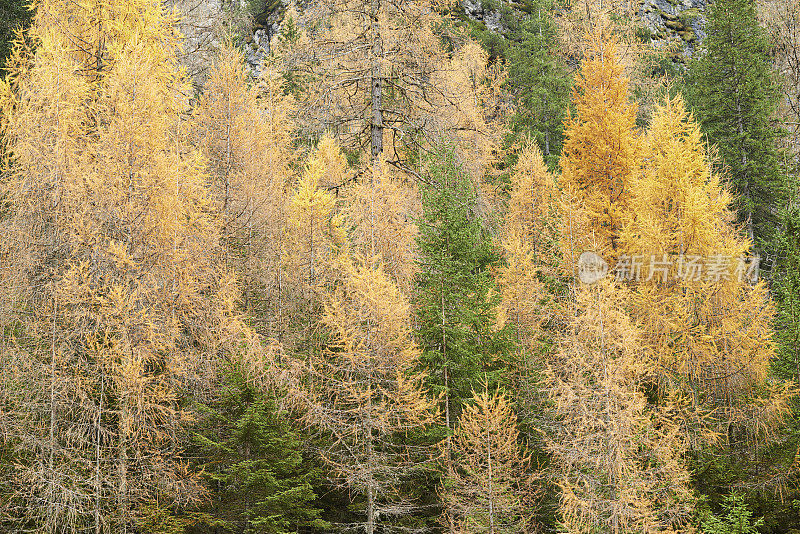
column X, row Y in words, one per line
column 530, row 245
column 313, row 226
column 376, row 74
column 600, row 155
column 121, row 298
column 381, row 212
column 490, row 488
column 365, row 390
column 243, row 128
column 617, row 460
column 708, row 325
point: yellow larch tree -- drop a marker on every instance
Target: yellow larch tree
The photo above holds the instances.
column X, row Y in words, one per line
column 121, row 296
column 617, row 460
column 244, row 130
column 490, row 489
column 708, row 325
column 600, row 155
column 376, row 74
column 381, row 213
column 530, row 245
column 313, row 225
column 365, row 390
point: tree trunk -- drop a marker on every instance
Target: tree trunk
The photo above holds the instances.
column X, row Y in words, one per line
column 377, row 90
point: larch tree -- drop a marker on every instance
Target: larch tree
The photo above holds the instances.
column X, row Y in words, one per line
column 527, row 279
column 708, row 324
column 243, row 129
column 381, row 211
column 617, row 460
column 490, row 489
column 366, row 391
column 600, row 155
column 313, row 227
column 120, row 296
column 379, row 78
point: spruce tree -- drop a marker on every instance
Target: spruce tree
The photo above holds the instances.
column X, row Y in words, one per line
column 456, row 297
column 539, row 80
column 731, row 88
column 14, row 15
column 253, row 464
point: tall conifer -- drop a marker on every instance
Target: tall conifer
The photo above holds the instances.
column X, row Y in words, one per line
column 731, row 86
column 456, row 298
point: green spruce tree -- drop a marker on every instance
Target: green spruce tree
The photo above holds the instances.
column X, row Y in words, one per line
column 731, row 87
column 456, row 298
column 538, row 80
column 252, row 459
column 14, row 15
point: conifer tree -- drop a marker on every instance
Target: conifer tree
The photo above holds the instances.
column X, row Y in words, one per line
column 15, row 16
column 253, row 463
column 787, row 298
column 365, row 391
column 381, row 212
column 243, row 130
column 538, row 78
column 456, row 300
column 617, row 461
column 731, row 86
column 120, row 298
column 490, row 488
column 528, row 277
column 710, row 330
column 313, row 226
column 379, row 78
column 600, row 156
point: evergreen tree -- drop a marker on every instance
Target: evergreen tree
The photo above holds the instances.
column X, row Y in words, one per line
column 538, row 79
column 456, row 297
column 731, row 87
column 253, row 464
column 787, row 297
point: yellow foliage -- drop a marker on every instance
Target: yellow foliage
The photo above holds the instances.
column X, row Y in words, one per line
column 121, row 295
column 490, row 490
column 619, row 460
column 366, row 390
column 530, row 245
column 381, row 211
column 710, row 332
column 313, row 228
column 244, row 132
column 600, row 157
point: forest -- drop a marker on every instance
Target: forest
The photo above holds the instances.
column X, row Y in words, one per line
column 399, row 266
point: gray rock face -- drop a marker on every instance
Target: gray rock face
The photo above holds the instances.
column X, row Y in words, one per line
column 669, row 20
column 476, row 10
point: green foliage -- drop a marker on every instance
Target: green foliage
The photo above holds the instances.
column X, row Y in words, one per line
column 456, row 296
column 735, row 518
column 14, row 14
column 787, row 297
column 732, row 90
column 253, row 464
column 539, row 81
